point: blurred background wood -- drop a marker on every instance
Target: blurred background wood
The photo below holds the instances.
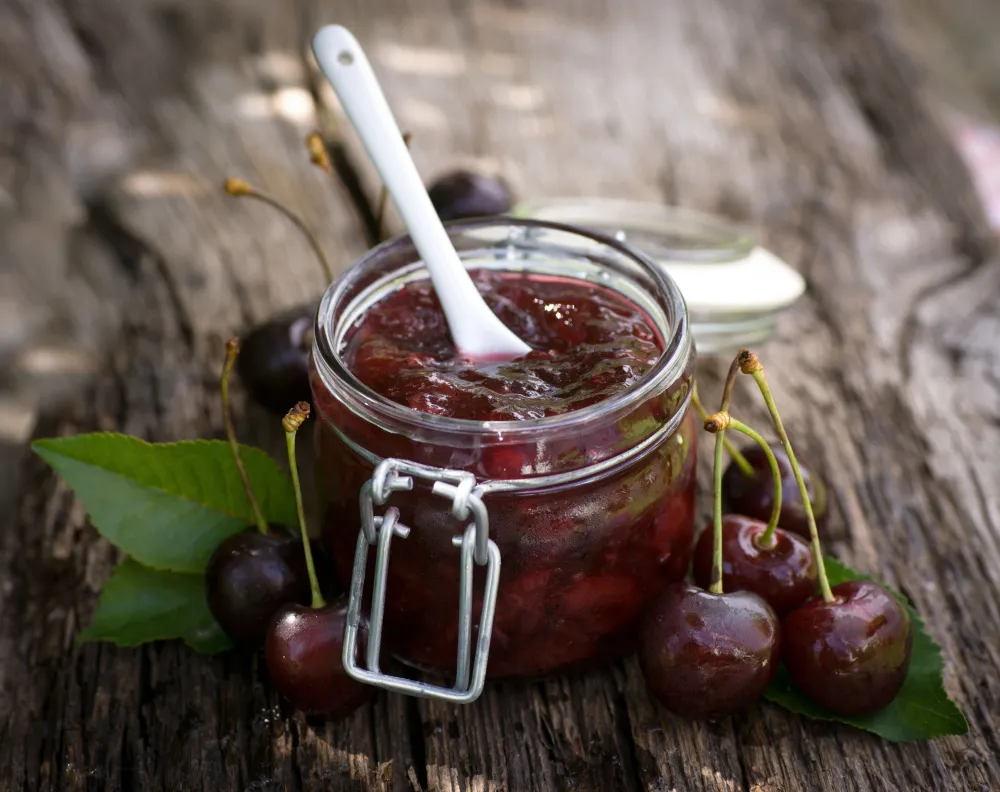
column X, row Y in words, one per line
column 125, row 268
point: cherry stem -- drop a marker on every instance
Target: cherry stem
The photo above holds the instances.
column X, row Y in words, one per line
column 727, row 389
column 232, row 352
column 320, row 157
column 291, row 423
column 716, row 587
column 749, row 364
column 766, row 540
column 241, row 189
column 383, row 199
column 738, row 458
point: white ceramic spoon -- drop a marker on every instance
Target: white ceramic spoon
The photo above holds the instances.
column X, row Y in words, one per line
column 475, row 329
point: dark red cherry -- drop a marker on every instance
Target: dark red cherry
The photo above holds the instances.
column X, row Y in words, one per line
column 304, row 660
column 274, row 359
column 461, row 194
column 249, row 577
column 754, row 496
column 850, row 655
column 784, row 574
column 708, row 655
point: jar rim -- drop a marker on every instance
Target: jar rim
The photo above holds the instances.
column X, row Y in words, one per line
column 678, row 345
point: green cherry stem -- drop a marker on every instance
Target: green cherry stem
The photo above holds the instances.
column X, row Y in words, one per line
column 766, row 540
column 749, row 364
column 738, row 458
column 291, row 423
column 720, row 431
column 232, row 352
column 727, row 389
column 241, row 189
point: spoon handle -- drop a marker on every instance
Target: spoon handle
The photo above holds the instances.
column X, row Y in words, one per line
column 478, row 333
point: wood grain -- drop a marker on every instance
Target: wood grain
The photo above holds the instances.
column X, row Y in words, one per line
column 803, row 118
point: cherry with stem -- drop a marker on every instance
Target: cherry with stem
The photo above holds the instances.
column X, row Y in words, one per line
column 749, row 364
column 304, row 645
column 253, row 573
column 761, row 558
column 848, row 649
column 709, row 653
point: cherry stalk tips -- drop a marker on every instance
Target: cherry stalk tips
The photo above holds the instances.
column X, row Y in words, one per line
column 749, row 363
column 318, row 154
column 295, row 417
column 238, row 187
column 718, row 422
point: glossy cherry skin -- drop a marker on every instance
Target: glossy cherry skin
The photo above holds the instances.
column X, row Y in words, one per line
column 303, row 651
column 462, row 194
column 708, row 655
column 274, row 359
column 249, row 577
column 754, row 496
column 784, row 575
column 850, row 655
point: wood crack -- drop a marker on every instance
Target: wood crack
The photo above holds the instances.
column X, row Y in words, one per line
column 418, row 747
column 130, row 251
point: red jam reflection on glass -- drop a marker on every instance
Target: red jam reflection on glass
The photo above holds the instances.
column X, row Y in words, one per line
column 579, row 559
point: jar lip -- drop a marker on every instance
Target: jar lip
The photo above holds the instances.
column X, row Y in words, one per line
column 677, row 349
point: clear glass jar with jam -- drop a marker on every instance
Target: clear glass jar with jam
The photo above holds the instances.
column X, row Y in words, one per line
column 532, row 506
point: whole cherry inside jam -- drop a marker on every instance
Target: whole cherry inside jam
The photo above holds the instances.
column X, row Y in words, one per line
column 580, row 558
column 588, row 343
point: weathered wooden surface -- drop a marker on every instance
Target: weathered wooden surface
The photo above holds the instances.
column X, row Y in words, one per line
column 798, row 116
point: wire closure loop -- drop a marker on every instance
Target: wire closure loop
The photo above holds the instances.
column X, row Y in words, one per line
column 396, row 475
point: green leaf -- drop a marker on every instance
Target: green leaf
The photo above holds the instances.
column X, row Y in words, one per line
column 921, row 709
column 168, row 505
column 139, row 605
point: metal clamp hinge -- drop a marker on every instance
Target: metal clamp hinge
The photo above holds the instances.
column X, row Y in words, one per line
column 395, row 475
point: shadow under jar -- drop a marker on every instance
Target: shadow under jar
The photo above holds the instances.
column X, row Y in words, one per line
column 583, row 458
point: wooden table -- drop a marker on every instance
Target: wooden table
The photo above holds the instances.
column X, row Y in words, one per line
column 801, row 117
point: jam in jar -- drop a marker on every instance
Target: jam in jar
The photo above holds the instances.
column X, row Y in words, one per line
column 582, row 451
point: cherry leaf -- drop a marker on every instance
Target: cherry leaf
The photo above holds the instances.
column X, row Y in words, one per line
column 139, row 605
column 168, row 505
column 921, row 709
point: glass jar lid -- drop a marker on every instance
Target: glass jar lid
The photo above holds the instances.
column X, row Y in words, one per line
column 733, row 288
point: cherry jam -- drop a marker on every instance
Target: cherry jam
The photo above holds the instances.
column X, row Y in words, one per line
column 588, row 343
column 590, row 434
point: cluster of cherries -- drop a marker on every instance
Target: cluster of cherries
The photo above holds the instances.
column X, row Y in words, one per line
column 712, row 649
column 263, row 587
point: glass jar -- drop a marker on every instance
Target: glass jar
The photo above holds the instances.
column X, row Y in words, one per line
column 734, row 289
column 584, row 514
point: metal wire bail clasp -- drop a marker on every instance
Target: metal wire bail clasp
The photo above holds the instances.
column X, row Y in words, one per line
column 394, row 475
